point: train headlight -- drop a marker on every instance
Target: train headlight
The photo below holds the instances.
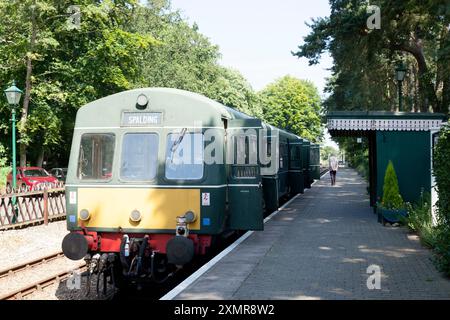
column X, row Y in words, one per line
column 84, row 215
column 190, row 216
column 181, row 231
column 141, row 102
column 135, row 216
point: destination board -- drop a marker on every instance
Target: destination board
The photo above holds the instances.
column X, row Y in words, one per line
column 140, row 119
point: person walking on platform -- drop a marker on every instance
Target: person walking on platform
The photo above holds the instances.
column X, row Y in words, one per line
column 333, row 166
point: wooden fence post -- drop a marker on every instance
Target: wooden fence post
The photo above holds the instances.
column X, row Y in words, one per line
column 45, row 207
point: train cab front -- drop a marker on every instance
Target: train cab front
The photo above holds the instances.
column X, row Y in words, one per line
column 151, row 233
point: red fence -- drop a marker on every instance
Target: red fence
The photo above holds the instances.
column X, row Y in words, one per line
column 31, row 207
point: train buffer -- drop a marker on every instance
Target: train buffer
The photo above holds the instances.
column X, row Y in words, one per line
column 324, row 244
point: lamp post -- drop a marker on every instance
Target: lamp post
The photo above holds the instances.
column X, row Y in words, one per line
column 400, row 73
column 13, row 95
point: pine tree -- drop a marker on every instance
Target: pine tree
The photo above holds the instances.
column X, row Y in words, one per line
column 391, row 193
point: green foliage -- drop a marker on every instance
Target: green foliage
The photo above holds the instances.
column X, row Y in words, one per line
column 233, row 90
column 419, row 219
column 4, row 170
column 391, row 193
column 294, row 105
column 185, row 59
column 442, row 248
column 437, row 238
column 361, row 161
column 356, row 154
column 69, row 67
column 441, row 168
column 327, row 151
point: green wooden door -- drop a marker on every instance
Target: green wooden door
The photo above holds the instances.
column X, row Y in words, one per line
column 244, row 178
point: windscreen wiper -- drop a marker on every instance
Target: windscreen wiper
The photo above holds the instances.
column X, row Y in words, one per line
column 177, row 143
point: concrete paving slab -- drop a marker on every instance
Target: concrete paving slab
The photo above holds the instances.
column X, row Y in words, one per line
column 319, row 247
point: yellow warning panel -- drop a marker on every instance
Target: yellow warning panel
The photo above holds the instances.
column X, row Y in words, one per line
column 111, row 207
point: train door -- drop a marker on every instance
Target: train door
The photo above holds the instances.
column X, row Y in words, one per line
column 295, row 168
column 244, row 179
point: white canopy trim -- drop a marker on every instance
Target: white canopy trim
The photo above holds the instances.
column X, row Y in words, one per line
column 384, row 124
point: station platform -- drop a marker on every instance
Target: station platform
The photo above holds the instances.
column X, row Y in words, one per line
column 320, row 246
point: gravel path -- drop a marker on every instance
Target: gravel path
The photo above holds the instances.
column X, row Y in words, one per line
column 37, row 273
column 22, row 245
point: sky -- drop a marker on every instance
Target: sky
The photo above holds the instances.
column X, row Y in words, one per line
column 256, row 37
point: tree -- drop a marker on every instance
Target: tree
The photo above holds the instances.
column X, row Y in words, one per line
column 293, row 105
column 233, row 90
column 356, row 153
column 186, row 59
column 327, row 151
column 363, row 78
column 391, row 193
column 61, row 67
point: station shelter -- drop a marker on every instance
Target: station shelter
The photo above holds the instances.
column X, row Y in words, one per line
column 405, row 138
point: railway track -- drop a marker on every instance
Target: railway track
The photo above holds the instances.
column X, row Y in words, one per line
column 27, row 289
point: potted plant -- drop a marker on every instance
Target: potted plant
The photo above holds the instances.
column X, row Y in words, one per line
column 392, row 208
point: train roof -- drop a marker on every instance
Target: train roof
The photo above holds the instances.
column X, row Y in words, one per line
column 178, row 107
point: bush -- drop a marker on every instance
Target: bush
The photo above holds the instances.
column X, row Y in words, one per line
column 419, row 214
column 442, row 248
column 419, row 219
column 441, row 168
column 392, row 199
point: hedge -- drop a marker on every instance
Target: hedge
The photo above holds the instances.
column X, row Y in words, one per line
column 441, row 167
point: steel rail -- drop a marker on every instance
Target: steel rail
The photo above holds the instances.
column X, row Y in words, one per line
column 18, row 294
column 29, row 264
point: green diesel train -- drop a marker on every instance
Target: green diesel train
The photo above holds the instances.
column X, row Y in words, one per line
column 157, row 175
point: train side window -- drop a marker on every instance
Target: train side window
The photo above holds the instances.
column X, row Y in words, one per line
column 184, row 156
column 96, row 156
column 295, row 156
column 245, row 148
column 139, row 159
column 246, row 156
